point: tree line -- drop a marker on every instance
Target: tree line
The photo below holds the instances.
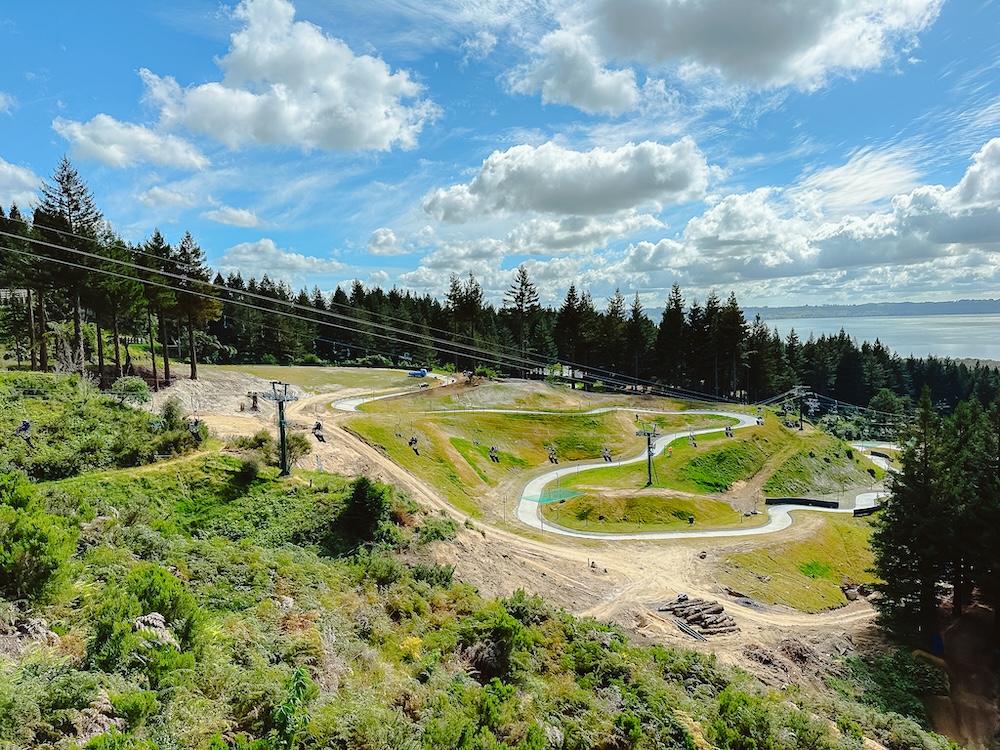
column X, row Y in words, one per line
column 75, row 288
column 936, row 532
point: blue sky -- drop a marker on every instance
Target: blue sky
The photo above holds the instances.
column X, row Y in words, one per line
column 831, row 151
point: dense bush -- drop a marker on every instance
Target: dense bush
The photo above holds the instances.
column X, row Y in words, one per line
column 75, row 429
column 35, row 548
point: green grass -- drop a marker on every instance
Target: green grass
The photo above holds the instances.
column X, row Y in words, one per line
column 645, row 512
column 530, row 397
column 450, row 460
column 822, row 465
column 806, row 574
column 322, row 379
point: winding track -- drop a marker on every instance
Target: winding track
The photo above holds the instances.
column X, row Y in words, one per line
column 529, row 507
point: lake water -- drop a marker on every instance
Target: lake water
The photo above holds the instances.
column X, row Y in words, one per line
column 955, row 336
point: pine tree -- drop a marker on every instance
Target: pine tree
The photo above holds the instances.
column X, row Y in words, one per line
column 568, row 332
column 196, row 298
column 67, row 223
column 521, row 300
column 669, row 351
column 158, row 258
column 910, row 542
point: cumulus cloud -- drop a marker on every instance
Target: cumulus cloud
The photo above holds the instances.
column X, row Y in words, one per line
column 747, row 239
column 286, row 82
column 161, row 197
column 120, row 144
column 18, row 185
column 237, row 217
column 569, row 70
column 264, row 256
column 385, row 242
column 553, row 179
column 761, row 42
column 758, row 43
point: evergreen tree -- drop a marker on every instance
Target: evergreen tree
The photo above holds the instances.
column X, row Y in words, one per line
column 521, row 300
column 158, row 258
column 196, row 297
column 910, row 541
column 567, row 329
column 669, row 352
column 639, row 336
column 67, row 222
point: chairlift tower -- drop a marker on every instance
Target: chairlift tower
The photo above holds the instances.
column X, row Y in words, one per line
column 650, row 435
column 280, row 396
column 800, row 392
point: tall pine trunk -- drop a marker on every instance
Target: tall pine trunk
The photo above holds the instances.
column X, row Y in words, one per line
column 152, row 348
column 31, row 331
column 194, row 357
column 115, row 331
column 166, row 351
column 78, row 352
column 43, row 325
column 101, row 375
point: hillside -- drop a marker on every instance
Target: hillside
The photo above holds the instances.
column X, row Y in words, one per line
column 202, row 601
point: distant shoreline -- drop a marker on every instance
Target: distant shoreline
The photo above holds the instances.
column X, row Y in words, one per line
column 877, row 309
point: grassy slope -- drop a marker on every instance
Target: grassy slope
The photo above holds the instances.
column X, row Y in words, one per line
column 717, row 462
column 645, row 512
column 806, row 574
column 450, row 460
column 388, row 654
column 321, row 379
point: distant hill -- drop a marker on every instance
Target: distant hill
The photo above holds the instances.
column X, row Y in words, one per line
column 878, row 309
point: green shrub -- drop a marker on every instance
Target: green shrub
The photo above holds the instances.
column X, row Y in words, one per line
column 117, row 645
column 131, row 390
column 35, row 549
column 248, row 472
column 434, row 574
column 744, row 723
column 437, row 529
column 366, row 508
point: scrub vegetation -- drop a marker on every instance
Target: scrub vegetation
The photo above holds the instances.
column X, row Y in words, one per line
column 206, row 602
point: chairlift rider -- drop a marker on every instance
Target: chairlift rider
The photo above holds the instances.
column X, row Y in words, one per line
column 24, row 432
column 317, row 432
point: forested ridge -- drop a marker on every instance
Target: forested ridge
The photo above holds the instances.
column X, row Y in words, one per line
column 75, row 289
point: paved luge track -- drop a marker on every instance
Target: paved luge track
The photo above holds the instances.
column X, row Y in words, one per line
column 529, row 508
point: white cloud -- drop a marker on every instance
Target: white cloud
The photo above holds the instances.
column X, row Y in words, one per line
column 161, row 197
column 18, row 185
column 254, row 259
column 6, row 103
column 286, row 82
column 569, row 71
column 553, row 179
column 120, row 144
column 478, row 47
column 869, row 177
column 378, row 279
column 384, row 242
column 761, row 42
column 237, row 217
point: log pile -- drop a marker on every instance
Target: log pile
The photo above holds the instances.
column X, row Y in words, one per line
column 708, row 617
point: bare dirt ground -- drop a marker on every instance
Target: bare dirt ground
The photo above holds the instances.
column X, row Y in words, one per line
column 621, row 582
